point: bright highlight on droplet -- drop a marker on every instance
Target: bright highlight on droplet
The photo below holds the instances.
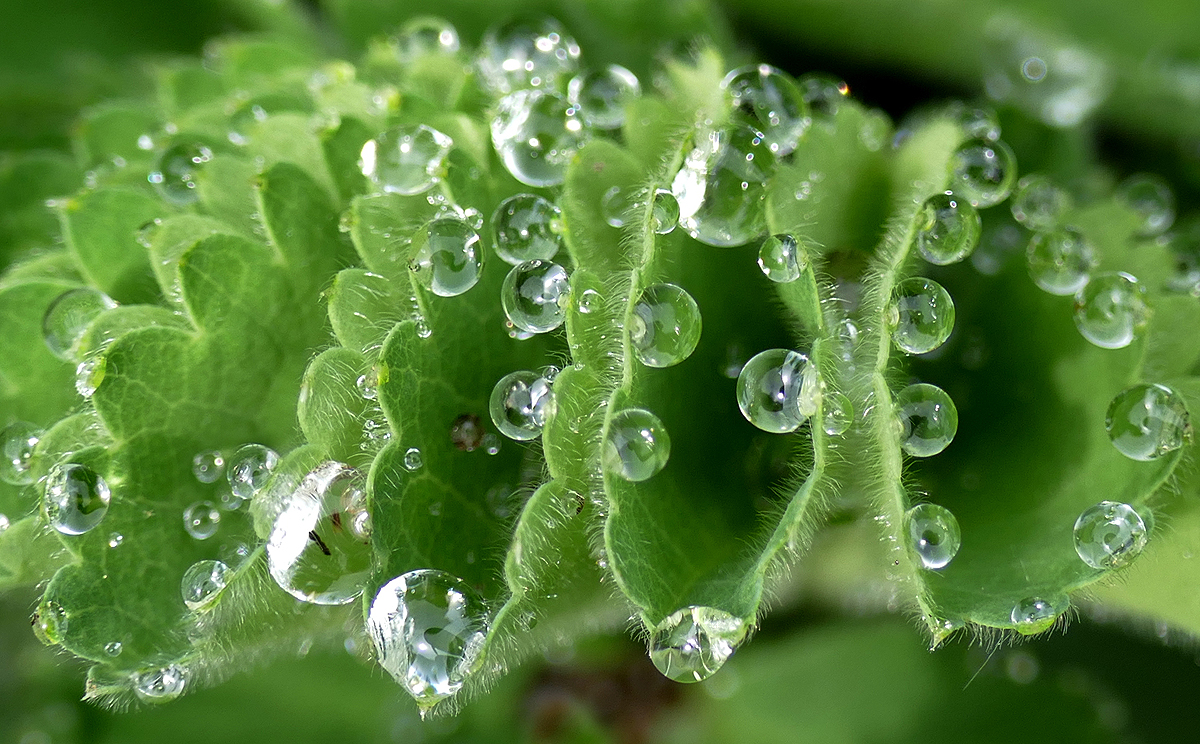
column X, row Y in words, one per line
column 76, row 498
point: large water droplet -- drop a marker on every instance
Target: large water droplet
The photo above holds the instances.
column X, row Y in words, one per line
column 68, row 317
column 1060, row 260
column 160, row 685
column 838, row 413
column 422, row 37
column 928, row 419
column 770, row 101
column 983, row 172
column 782, row 258
column 535, row 295
column 1039, row 204
column 1034, row 615
column 406, row 160
column 521, row 55
column 202, row 583
column 921, row 315
column 665, row 214
column 536, row 133
column 177, row 171
column 520, row 404
column 949, row 229
column 202, row 519
column 1109, row 535
column 428, row 628
column 603, row 94
column 208, row 466
column 775, row 390
column 249, row 468
column 16, row 450
column 450, row 257
column 665, row 326
column 312, row 553
column 77, row 498
column 89, row 374
column 637, row 445
column 526, row 228
column 1111, row 310
column 1146, row 422
column 692, row 644
column 1151, row 197
column 721, row 187
column 933, row 534
column 824, row 95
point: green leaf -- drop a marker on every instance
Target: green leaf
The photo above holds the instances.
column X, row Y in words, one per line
column 100, row 228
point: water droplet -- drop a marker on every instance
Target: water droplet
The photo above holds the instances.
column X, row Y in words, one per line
column 637, row 445
column 249, row 468
column 665, row 326
column 520, row 404
column 491, row 444
column 979, row 123
column 413, row 460
column 535, row 295
column 1060, row 260
column 113, row 649
column 208, row 466
column 536, row 133
column 782, row 258
column 115, row 540
column 665, row 215
column 1111, row 310
column 521, row 55
column 928, row 419
column 1109, row 535
column 949, row 229
column 1033, row 615
column 428, row 628
column 77, row 498
column 450, row 258
column 178, row 167
column 983, row 172
column 68, row 317
column 921, row 315
column 589, row 301
column 202, row 583
column 838, row 412
column 17, row 442
column 526, row 228
column 721, row 187
column 1151, row 197
column 618, row 205
column 602, row 95
column 1146, row 422
column 368, row 384
column 4, row 523
column 466, row 433
column 89, row 374
column 773, row 387
column 933, row 535
column 160, row 685
column 423, row 37
column 311, row 554
column 770, row 101
column 202, row 519
column 1039, row 204
column 692, row 644
column 50, row 623
column 824, row 95
column 406, row 160
column 422, row 328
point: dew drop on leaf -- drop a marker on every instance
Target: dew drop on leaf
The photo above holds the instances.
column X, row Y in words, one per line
column 928, row 419
column 428, row 628
column 1060, row 260
column 4, row 523
column 526, row 228
column 208, row 466
column 178, row 167
column 160, row 685
column 1146, row 422
column 413, row 461
column 50, row 623
column 1039, row 204
column 921, row 315
column 89, row 374
column 406, row 160
column 589, row 300
column 17, row 442
column 838, row 413
column 115, row 540
column 202, row 519
column 824, row 95
column 368, row 384
column 423, row 37
column 1109, row 535
column 983, row 172
column 602, row 95
column 536, row 133
column 665, row 325
column 520, row 404
column 769, row 100
column 68, row 317
column 619, row 206
column 933, row 534
column 1151, row 197
column 665, row 215
column 1034, row 615
column 1111, row 310
column 76, row 498
column 692, row 644
column 535, row 296
column 113, row 648
column 949, row 229
column 776, row 390
column 782, row 258
column 520, row 55
column 637, row 445
column 721, row 187
column 249, row 468
column 202, row 582
column 449, row 258
column 979, row 123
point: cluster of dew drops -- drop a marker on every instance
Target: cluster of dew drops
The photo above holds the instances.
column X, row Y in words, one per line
column 428, row 626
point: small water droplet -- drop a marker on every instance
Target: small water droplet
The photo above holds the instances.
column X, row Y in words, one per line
column 928, row 419
column 68, row 317
column 782, row 258
column 1111, row 310
column 1151, row 197
column 979, row 123
column 619, row 205
column 4, row 523
column 665, row 215
column 526, row 227
column 113, row 649
column 249, row 468
column 983, row 172
column 1039, row 204
column 769, row 100
column 449, row 259
column 721, row 188
column 535, row 295
column 202, row 519
column 773, row 387
column 949, row 229
column 1060, row 260
column 406, row 160
column 424, row 37
column 413, row 460
column 1146, row 422
column 603, row 94
column 588, row 301
column 466, row 432
column 17, row 443
column 208, row 466
column 422, row 328
column 824, row 95
column 520, row 404
column 1034, row 615
column 532, row 54
column 1109, row 535
column 50, row 623
column 491, row 444
column 921, row 315
column 428, row 628
column 536, row 133
column 665, row 326
column 160, row 685
column 203, row 582
column 77, row 498
column 838, row 413
column 89, row 374
column 368, row 384
column 178, row 168
column 637, row 445
column 692, row 644
column 115, row 540
column 933, row 535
